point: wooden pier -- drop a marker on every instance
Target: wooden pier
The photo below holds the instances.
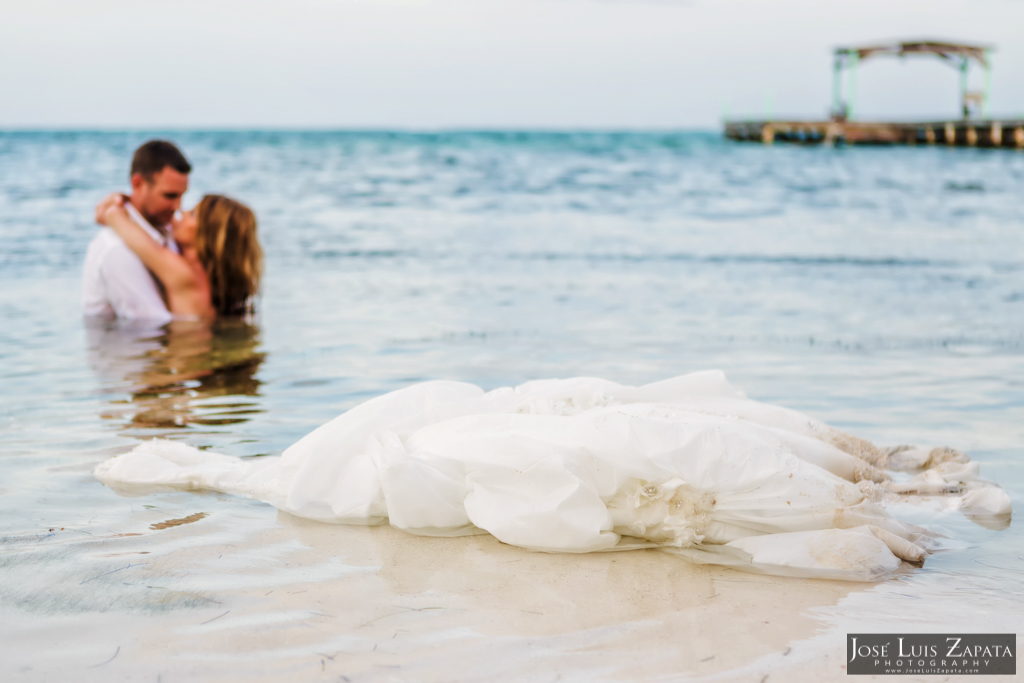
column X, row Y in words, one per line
column 1008, row 134
column 975, row 128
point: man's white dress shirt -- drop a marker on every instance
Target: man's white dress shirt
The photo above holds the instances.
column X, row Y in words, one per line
column 115, row 283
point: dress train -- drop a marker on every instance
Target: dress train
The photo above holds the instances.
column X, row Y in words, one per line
column 687, row 465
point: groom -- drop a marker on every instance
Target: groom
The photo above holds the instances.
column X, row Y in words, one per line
column 115, row 283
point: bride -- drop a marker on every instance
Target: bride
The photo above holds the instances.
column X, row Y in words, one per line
column 687, row 465
column 218, row 271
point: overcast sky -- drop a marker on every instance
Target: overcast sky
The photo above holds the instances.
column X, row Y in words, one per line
column 426, row 64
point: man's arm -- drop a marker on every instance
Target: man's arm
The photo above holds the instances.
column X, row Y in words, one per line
column 130, row 288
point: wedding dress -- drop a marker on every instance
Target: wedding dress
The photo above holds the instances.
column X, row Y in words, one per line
column 688, row 465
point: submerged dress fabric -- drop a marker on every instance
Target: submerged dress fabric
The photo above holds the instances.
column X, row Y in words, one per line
column 688, row 465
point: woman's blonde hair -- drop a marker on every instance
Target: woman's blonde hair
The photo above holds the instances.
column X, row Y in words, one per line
column 227, row 247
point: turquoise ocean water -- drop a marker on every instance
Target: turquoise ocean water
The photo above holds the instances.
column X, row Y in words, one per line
column 881, row 290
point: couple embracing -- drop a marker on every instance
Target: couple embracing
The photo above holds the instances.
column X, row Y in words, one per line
column 155, row 263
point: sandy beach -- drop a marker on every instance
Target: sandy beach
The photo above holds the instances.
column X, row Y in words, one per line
column 248, row 594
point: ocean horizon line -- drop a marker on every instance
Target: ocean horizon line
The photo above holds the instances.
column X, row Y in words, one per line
column 408, row 130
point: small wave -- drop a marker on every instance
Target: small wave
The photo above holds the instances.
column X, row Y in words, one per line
column 784, row 259
column 964, row 187
column 361, row 253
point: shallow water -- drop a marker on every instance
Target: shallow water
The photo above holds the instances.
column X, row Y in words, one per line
column 881, row 290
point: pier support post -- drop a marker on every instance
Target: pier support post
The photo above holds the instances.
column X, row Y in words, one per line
column 838, row 106
column 963, row 88
column 1018, row 137
column 767, row 134
column 950, row 134
column 972, row 136
column 995, row 135
column 929, row 135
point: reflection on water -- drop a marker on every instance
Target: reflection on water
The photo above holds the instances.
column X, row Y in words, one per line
column 993, row 522
column 186, row 373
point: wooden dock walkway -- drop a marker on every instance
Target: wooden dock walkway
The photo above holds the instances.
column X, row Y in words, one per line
column 1008, row 134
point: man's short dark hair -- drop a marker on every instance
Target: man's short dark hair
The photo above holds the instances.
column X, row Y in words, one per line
column 156, row 155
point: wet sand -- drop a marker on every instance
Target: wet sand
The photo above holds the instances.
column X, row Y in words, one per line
column 249, row 594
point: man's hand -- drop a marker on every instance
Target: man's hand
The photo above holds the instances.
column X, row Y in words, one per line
column 113, row 200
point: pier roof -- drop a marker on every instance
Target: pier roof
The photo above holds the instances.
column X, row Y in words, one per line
column 913, row 47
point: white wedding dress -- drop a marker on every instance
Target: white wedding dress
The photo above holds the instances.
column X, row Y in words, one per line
column 688, row 465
